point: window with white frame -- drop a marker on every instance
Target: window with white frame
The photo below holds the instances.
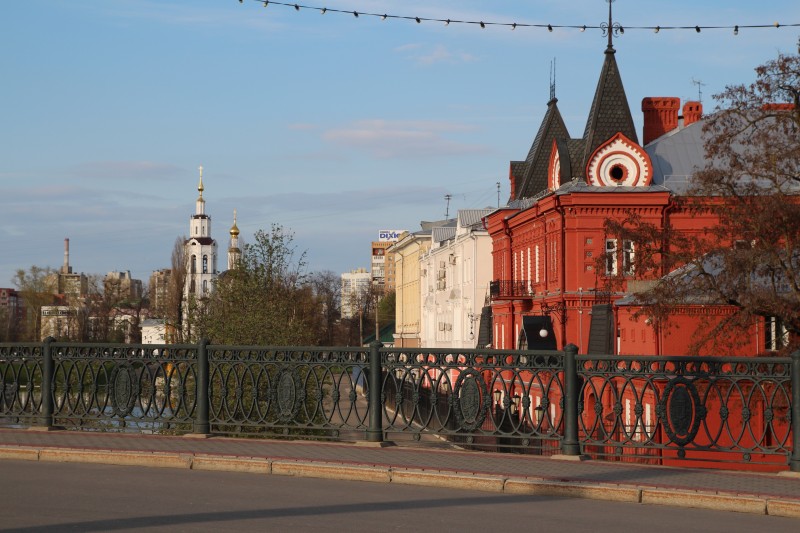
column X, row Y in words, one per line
column 628, row 257
column 776, row 336
column 611, row 257
column 529, row 269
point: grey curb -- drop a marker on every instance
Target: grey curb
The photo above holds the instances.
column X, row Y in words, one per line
column 432, row 478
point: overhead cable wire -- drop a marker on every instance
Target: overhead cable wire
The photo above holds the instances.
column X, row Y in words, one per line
column 735, row 28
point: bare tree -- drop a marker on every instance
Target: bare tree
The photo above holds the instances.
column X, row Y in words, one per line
column 174, row 308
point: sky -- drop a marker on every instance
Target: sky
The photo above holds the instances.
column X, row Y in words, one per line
column 331, row 125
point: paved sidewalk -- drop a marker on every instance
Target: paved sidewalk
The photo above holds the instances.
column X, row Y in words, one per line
column 777, row 494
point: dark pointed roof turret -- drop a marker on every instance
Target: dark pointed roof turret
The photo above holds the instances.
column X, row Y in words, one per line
column 610, row 113
column 552, row 127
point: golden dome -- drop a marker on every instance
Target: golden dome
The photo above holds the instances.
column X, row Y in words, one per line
column 234, row 228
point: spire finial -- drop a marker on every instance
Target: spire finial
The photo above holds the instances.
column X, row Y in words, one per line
column 234, row 228
column 611, row 28
column 553, row 79
column 200, row 185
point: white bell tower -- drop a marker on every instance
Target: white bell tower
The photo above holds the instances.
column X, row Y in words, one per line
column 200, row 251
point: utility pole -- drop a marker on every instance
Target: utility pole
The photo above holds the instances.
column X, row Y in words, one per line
column 447, row 197
column 498, row 194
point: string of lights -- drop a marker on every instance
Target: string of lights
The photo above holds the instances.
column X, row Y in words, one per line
column 514, row 25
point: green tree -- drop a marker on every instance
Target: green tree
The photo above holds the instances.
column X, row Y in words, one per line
column 266, row 300
column 37, row 286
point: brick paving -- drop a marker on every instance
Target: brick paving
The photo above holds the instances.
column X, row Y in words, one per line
column 512, row 466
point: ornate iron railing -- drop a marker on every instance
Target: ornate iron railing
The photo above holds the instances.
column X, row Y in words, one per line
column 663, row 410
column 312, row 392
column 473, row 397
column 686, row 408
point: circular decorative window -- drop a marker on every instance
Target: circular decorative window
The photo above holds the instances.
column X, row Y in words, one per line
column 618, row 172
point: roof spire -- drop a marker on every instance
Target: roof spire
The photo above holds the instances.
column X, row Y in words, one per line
column 553, row 79
column 200, row 185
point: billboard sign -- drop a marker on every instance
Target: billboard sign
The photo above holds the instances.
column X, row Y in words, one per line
column 390, row 235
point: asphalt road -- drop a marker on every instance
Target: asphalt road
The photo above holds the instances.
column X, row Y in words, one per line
column 45, row 497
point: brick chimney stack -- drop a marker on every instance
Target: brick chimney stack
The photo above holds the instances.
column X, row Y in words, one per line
column 692, row 112
column 660, row 116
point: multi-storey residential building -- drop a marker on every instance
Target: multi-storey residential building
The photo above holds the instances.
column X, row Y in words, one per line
column 11, row 313
column 384, row 277
column 120, row 286
column 159, row 291
column 454, row 280
column 355, row 287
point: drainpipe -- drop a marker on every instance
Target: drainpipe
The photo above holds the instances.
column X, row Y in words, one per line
column 562, row 273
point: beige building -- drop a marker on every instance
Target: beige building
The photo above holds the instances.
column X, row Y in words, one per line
column 159, row 291
column 406, row 252
column 59, row 322
column 120, row 286
column 68, row 283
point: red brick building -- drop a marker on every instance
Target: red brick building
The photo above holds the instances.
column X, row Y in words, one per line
column 554, row 263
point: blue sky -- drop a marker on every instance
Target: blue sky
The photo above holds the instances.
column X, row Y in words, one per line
column 331, row 125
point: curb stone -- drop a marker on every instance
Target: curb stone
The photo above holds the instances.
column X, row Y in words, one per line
column 409, row 476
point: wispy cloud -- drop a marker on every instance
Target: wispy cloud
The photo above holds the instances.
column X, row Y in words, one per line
column 386, row 139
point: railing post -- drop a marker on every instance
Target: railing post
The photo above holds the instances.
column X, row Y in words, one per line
column 202, row 392
column 46, row 419
column 570, row 444
column 375, row 430
column 794, row 461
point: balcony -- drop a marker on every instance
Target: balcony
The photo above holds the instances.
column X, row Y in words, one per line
column 501, row 289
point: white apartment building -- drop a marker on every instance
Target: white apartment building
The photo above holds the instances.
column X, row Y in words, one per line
column 355, row 286
column 454, row 281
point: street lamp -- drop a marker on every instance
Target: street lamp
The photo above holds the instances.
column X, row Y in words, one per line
column 538, row 414
column 515, row 404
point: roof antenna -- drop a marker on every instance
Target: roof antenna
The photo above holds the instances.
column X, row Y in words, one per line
column 498, row 195
column 447, row 197
column 700, row 85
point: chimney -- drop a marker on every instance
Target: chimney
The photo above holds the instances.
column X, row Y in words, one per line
column 66, row 269
column 660, row 116
column 692, row 112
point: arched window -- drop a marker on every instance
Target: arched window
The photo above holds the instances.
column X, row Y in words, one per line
column 205, row 264
column 205, row 286
column 194, row 264
column 191, row 287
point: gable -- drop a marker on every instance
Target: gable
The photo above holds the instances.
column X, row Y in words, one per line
column 619, row 162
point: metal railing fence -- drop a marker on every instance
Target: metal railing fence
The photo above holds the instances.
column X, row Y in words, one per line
column 661, row 410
